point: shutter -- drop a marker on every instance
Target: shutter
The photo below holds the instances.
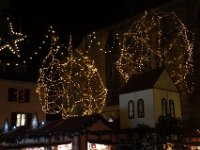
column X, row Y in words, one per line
column 13, row 119
column 27, row 95
column 11, row 92
column 20, row 95
column 28, row 119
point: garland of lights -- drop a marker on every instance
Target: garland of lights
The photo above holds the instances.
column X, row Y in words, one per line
column 50, row 82
column 72, row 87
column 156, row 40
column 85, row 93
column 92, row 41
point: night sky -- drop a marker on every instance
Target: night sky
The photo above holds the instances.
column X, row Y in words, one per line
column 76, row 14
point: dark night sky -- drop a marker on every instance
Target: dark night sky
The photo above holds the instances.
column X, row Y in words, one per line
column 76, row 14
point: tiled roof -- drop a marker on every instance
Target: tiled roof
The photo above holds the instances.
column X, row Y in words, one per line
column 141, row 81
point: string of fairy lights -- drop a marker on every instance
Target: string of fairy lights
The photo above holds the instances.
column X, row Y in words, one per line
column 158, row 39
column 92, row 39
column 14, row 38
column 85, row 92
column 72, row 86
column 69, row 81
column 10, row 41
column 50, row 86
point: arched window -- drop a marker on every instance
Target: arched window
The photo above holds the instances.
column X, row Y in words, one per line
column 164, row 107
column 140, row 105
column 171, row 108
column 131, row 114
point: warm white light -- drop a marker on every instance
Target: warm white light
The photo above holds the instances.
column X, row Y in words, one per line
column 15, row 38
column 156, row 40
column 72, row 86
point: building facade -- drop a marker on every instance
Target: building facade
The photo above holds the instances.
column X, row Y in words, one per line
column 19, row 102
column 146, row 97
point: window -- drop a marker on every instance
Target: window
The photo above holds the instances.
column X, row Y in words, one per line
column 140, row 105
column 164, row 107
column 18, row 95
column 171, row 108
column 21, row 120
column 131, row 114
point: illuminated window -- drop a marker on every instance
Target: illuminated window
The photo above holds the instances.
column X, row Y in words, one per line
column 164, row 107
column 21, row 120
column 65, row 146
column 131, row 109
column 171, row 108
column 96, row 146
column 140, row 105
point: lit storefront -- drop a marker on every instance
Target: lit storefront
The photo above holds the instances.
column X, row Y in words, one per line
column 96, row 146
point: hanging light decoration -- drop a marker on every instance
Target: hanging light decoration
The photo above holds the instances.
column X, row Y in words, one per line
column 50, row 82
column 72, row 86
column 156, row 40
column 11, row 40
column 85, row 93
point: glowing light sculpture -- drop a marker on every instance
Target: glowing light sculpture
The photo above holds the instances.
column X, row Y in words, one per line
column 50, row 82
column 156, row 40
column 85, row 93
column 72, row 86
column 11, row 40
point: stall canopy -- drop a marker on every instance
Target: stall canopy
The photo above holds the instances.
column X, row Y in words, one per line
column 71, row 126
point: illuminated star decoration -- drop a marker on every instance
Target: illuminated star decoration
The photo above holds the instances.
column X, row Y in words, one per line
column 11, row 40
column 156, row 40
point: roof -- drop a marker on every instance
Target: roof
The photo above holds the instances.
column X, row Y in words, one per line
column 141, row 81
column 69, row 126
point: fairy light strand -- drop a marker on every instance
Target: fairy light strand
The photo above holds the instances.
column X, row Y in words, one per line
column 50, row 82
column 72, row 86
column 14, row 38
column 85, row 93
column 157, row 39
